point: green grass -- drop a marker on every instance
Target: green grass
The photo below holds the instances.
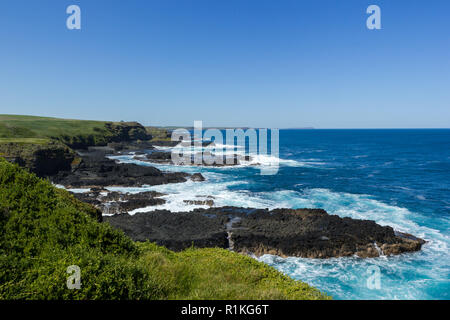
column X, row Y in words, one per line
column 24, row 141
column 74, row 133
column 43, row 230
column 221, row 274
column 15, row 126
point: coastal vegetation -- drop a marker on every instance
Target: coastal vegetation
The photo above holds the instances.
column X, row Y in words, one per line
column 158, row 133
column 73, row 133
column 45, row 145
column 44, row 230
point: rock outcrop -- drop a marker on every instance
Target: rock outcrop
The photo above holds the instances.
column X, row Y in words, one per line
column 207, row 159
column 176, row 231
column 97, row 171
column 116, row 203
column 309, row 233
column 197, row 177
column 43, row 159
column 132, row 146
column 127, row 131
column 313, row 233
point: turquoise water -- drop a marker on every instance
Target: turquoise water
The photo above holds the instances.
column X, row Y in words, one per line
column 399, row 178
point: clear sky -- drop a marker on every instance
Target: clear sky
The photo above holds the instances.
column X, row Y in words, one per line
column 276, row 63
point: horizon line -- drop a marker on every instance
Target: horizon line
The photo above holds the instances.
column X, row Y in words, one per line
column 237, row 127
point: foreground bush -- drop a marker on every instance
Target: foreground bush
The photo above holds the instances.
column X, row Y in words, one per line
column 44, row 230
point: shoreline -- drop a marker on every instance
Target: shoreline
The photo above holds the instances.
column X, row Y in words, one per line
column 330, row 242
column 229, row 185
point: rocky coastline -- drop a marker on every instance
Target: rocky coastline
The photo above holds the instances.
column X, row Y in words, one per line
column 207, row 159
column 95, row 170
column 308, row 233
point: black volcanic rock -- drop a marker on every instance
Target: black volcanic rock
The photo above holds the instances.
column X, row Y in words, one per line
column 164, row 143
column 97, row 171
column 176, row 231
column 159, row 156
column 115, row 202
column 309, row 233
column 208, row 159
column 172, row 143
column 126, row 147
column 313, row 233
column 197, row 177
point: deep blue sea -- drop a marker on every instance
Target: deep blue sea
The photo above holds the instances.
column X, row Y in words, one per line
column 399, row 178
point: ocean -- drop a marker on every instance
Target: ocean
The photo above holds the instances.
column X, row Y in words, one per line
column 398, row 177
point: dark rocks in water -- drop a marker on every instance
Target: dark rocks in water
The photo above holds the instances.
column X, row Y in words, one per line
column 97, row 171
column 171, row 143
column 207, row 159
column 164, row 143
column 313, row 233
column 196, row 143
column 309, row 233
column 197, row 177
column 176, row 231
column 158, row 157
column 115, row 202
column 121, row 147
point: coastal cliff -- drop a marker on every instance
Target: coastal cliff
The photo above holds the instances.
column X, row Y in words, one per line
column 307, row 233
column 76, row 134
column 43, row 157
column 47, row 146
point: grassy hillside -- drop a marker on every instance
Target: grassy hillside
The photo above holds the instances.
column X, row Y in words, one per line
column 15, row 126
column 43, row 230
column 74, row 133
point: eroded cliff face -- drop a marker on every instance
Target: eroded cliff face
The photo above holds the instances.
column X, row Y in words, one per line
column 49, row 156
column 43, row 159
column 97, row 171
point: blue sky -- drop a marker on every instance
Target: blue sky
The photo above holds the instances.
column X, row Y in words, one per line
column 229, row 63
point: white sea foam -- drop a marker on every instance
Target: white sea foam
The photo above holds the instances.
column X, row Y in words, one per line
column 74, row 190
column 344, row 278
column 256, row 160
column 357, row 206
